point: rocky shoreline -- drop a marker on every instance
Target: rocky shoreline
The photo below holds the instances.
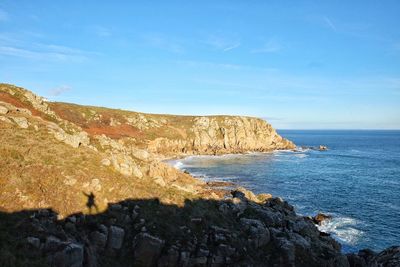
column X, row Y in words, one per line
column 363, row 258
column 86, row 186
column 242, row 230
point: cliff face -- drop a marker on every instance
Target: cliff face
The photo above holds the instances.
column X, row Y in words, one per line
column 85, row 186
column 167, row 135
column 223, row 134
column 118, row 142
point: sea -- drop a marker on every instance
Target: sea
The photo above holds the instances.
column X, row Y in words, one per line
column 357, row 181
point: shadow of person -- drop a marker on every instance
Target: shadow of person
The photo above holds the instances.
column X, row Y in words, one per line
column 91, row 203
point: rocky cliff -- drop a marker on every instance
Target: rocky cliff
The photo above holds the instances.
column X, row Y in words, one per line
column 85, row 186
column 176, row 135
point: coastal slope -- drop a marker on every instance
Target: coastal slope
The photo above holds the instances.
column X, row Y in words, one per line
column 86, row 186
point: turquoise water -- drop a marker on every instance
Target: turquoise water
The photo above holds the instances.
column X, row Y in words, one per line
column 357, row 181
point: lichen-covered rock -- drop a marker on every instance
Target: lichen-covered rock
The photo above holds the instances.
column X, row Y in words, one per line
column 3, row 110
column 75, row 140
column 22, row 122
column 38, row 103
column 5, row 119
column 125, row 165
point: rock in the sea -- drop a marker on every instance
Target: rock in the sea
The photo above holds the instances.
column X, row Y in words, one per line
column 322, row 148
column 321, row 217
column 147, row 249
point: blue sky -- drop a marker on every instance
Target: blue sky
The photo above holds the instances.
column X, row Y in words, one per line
column 299, row 64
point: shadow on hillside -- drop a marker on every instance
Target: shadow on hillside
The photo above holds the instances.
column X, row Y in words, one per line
column 145, row 232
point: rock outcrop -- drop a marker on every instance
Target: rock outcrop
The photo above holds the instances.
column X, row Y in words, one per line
column 115, row 203
column 219, row 135
column 149, row 233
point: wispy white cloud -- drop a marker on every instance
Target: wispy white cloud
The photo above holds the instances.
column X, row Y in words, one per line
column 207, row 64
column 21, row 45
column 44, row 52
column 164, row 43
column 225, row 66
column 270, row 46
column 3, row 15
column 328, row 22
column 100, row 31
column 231, row 47
column 222, row 43
column 59, row 90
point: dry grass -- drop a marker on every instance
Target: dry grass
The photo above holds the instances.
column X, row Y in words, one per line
column 37, row 171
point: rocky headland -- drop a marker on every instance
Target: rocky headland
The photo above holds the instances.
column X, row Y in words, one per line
column 86, row 186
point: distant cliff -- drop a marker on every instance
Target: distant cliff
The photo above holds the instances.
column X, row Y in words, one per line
column 222, row 134
column 171, row 135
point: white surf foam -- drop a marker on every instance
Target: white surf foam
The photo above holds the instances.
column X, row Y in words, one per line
column 301, row 155
column 343, row 228
column 178, row 165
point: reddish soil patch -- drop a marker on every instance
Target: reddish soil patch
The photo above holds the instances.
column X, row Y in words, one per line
column 5, row 97
column 115, row 132
column 67, row 114
column 97, row 127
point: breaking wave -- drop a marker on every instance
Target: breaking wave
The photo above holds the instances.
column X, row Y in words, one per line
column 344, row 229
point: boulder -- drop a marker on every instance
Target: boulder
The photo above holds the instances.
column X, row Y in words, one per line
column 22, row 122
column 159, row 181
column 115, row 237
column 321, row 217
column 389, row 257
column 3, row 110
column 244, row 194
column 5, row 119
column 322, row 148
column 75, row 140
column 271, row 218
column 287, row 252
column 356, row 261
column 33, row 241
column 140, row 154
column 99, row 240
column 170, row 259
column 53, row 244
column 147, row 250
column 70, row 256
column 258, row 233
